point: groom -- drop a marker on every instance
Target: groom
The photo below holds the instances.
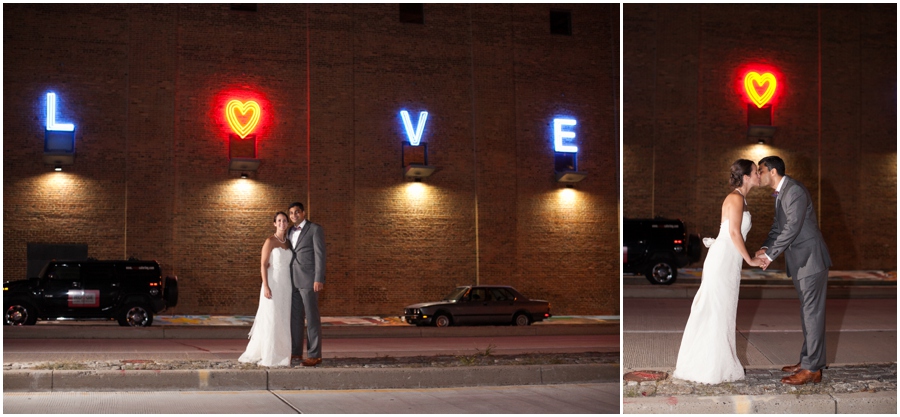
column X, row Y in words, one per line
column 796, row 234
column 307, row 279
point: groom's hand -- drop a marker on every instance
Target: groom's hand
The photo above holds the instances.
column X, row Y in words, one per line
column 759, row 253
column 317, row 286
column 763, row 261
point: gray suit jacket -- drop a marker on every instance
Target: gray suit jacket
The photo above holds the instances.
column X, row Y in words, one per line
column 308, row 261
column 796, row 232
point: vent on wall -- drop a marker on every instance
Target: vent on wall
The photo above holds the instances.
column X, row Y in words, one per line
column 412, row 13
column 560, row 22
column 243, row 7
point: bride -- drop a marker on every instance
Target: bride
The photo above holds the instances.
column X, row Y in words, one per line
column 270, row 336
column 707, row 351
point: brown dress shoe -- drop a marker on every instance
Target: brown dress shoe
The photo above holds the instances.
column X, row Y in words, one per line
column 802, row 377
column 312, row 361
column 791, row 368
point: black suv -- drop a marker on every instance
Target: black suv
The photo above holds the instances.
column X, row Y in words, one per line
column 657, row 248
column 129, row 291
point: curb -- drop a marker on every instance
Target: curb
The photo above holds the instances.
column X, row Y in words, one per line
column 761, row 291
column 305, row 379
column 337, row 332
column 883, row 402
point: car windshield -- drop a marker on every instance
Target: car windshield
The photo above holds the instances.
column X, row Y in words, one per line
column 456, row 294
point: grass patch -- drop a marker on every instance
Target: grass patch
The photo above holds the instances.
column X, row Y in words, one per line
column 61, row 366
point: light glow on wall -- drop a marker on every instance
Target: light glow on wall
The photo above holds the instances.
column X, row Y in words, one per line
column 753, row 81
column 566, row 198
column 231, row 115
column 560, row 136
column 52, row 125
column 415, row 136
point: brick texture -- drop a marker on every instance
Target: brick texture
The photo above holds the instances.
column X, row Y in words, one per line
column 685, row 121
column 146, row 84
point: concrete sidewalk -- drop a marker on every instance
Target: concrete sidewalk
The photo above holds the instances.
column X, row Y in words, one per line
column 861, row 337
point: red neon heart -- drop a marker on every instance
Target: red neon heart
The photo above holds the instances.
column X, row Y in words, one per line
column 242, row 129
column 753, row 80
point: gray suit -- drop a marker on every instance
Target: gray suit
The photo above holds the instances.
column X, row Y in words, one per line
column 307, row 267
column 796, row 234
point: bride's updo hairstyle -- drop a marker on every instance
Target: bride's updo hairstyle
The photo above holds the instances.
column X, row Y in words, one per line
column 280, row 213
column 740, row 168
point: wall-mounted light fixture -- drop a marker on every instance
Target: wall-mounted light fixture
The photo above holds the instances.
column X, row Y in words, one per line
column 59, row 138
column 243, row 165
column 566, row 152
column 243, row 118
column 414, row 158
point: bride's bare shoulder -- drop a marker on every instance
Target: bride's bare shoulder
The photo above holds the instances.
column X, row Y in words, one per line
column 732, row 198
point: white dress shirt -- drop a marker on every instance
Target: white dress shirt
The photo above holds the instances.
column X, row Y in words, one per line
column 295, row 233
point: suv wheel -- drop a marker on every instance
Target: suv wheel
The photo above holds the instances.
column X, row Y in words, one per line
column 662, row 271
column 18, row 314
column 521, row 319
column 135, row 315
column 442, row 320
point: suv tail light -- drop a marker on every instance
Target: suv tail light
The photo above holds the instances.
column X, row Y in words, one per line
column 678, row 241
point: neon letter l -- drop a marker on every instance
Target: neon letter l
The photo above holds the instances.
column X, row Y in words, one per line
column 51, row 116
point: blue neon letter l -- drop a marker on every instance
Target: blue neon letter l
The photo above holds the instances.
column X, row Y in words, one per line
column 51, row 116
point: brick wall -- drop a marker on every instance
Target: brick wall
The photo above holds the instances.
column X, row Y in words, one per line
column 145, row 86
column 685, row 122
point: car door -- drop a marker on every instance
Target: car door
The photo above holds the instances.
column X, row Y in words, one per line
column 502, row 305
column 636, row 243
column 61, row 280
column 475, row 308
column 100, row 289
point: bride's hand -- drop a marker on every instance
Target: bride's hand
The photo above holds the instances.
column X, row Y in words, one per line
column 754, row 262
column 267, row 292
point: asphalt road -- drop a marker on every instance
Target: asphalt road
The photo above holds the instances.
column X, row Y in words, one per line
column 35, row 350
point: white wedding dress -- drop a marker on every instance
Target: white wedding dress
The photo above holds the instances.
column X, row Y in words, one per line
column 270, row 336
column 707, row 351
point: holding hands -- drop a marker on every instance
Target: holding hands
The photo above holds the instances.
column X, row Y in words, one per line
column 763, row 259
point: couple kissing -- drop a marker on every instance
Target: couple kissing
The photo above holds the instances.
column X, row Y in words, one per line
column 707, row 353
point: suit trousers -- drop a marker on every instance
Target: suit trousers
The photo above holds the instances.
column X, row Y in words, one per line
column 305, row 307
column 811, row 290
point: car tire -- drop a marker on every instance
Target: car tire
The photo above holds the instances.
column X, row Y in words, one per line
column 19, row 314
column 442, row 320
column 522, row 319
column 135, row 315
column 662, row 271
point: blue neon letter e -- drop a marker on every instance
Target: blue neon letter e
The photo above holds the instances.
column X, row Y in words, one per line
column 559, row 134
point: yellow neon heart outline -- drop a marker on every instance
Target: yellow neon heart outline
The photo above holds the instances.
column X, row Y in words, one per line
column 760, row 80
column 237, row 127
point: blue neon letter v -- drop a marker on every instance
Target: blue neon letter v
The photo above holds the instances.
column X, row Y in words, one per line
column 414, row 137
